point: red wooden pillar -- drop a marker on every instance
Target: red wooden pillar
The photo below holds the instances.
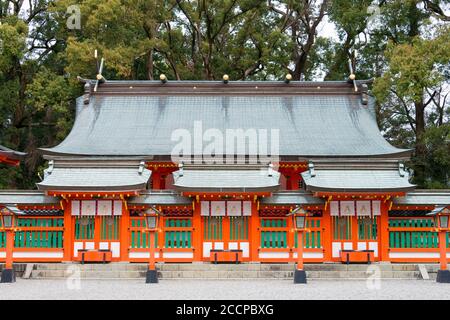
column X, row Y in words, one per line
column 300, row 250
column 295, row 179
column 156, row 180
column 68, row 232
column 289, row 182
column 291, row 237
column 226, row 231
column 162, row 181
column 9, row 249
column 354, row 224
column 383, row 233
column 197, row 234
column 327, row 235
column 125, row 234
column 443, row 249
column 97, row 231
column 152, row 259
column 160, row 234
column 254, row 233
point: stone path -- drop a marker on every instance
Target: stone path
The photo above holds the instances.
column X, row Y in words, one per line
column 223, row 289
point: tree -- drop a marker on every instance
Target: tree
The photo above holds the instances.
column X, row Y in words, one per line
column 299, row 20
column 437, row 156
column 183, row 39
column 29, row 55
column 351, row 19
column 414, row 82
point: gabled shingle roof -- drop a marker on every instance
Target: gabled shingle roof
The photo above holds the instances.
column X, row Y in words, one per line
column 356, row 180
column 99, row 176
column 292, row 198
column 159, row 198
column 139, row 118
column 425, row 197
column 223, row 179
column 11, row 156
column 356, row 176
column 28, row 197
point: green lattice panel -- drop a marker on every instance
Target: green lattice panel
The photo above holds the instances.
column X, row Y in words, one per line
column 140, row 239
column 273, row 239
column 212, row 228
column 109, row 229
column 39, row 239
column 367, row 229
column 84, row 228
column 413, row 239
column 239, row 228
column 312, row 239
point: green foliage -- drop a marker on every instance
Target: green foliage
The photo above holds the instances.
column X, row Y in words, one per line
column 437, row 141
column 414, row 66
column 410, row 91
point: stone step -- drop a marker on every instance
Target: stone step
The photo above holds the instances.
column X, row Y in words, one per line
column 168, row 267
column 18, row 268
column 230, row 267
column 209, row 274
column 50, row 274
column 228, row 271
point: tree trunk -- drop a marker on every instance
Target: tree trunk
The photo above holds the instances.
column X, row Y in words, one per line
column 420, row 154
column 150, row 65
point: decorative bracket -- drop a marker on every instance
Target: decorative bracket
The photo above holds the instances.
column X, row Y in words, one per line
column 141, row 167
column 364, row 94
column 352, row 77
column 312, row 172
column 401, row 169
column 270, row 170
column 87, row 93
column 49, row 170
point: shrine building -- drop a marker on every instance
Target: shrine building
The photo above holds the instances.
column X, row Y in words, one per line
column 176, row 147
column 10, row 157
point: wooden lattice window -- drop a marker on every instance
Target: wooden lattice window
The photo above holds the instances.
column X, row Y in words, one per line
column 367, row 228
column 274, row 233
column 313, row 238
column 178, row 233
column 109, row 227
column 212, row 228
column 413, row 233
column 342, row 228
column 33, row 234
column 139, row 238
column 84, row 228
column 239, row 228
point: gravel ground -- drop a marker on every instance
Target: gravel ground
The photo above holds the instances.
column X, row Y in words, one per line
column 223, row 289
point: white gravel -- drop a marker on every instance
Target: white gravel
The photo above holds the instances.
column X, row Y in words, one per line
column 223, row 289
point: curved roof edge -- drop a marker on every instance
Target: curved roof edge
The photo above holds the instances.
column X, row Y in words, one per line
column 27, row 197
column 10, row 156
column 357, row 180
column 87, row 137
column 425, row 197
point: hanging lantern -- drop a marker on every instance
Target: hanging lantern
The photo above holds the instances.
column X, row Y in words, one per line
column 151, row 219
column 443, row 219
column 299, row 216
column 7, row 218
column 151, row 222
